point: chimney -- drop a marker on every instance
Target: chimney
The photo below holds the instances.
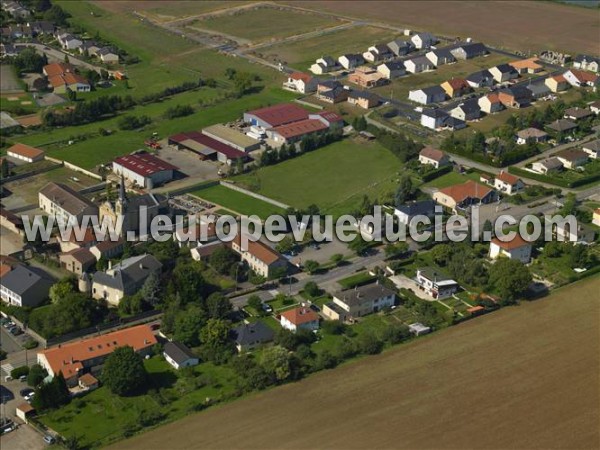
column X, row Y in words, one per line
column 109, row 264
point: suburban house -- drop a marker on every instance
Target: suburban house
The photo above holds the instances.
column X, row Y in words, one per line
column 78, row 260
column 596, row 217
column 179, row 355
column 405, row 213
column 454, row 123
column 301, row 318
column 323, row 65
column 107, row 55
column 503, row 72
column 562, row 126
column 456, row 87
column 108, row 249
column 530, row 65
column 400, row 47
column 460, row 196
column 363, row 99
column 261, row 258
column 25, row 286
column 143, row 169
column 467, row 110
column 332, row 91
column 531, row 135
column 86, row 239
column 440, row 56
column 358, row 302
column 580, row 78
column 91, row 47
column 350, row 61
column 592, row 148
column 595, row 107
column 26, row 153
column 587, row 62
column 469, row 51
column 434, row 157
column 301, row 82
column 249, row 336
column 232, row 137
column 435, row 284
column 518, row 249
column 490, row 103
column 391, row 70
column 74, row 359
column 379, row 52
column 508, row 184
column 576, row 113
column 515, row 97
column 433, row 118
column 125, row 278
column 557, row 83
column 423, row 40
column 428, row 95
column 547, row 166
column 480, row 79
column 418, row 64
column 68, row 42
column 63, row 77
column 538, row 90
column 572, row 158
column 64, row 203
column 367, row 77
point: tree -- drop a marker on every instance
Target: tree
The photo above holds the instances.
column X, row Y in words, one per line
column 217, row 306
column 405, row 190
column 188, row 324
column 230, row 73
column 242, row 82
column 189, row 282
column 396, row 250
column 124, row 372
column 151, row 289
column 333, row 327
column 131, row 304
column 36, row 375
column 441, row 254
column 222, row 259
column 214, row 336
column 276, row 363
column 311, row 266
column 358, row 245
column 29, row 60
column 337, row 258
column 60, row 290
column 51, row 395
column 511, row 278
column 286, row 245
column 369, row 344
column 5, row 170
column 255, row 303
column 57, row 15
column 312, row 289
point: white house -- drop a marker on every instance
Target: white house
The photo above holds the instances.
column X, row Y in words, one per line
column 68, row 41
column 440, row 57
column 433, row 118
column 351, row 61
column 405, row 213
column 179, row 356
column 144, row 169
column 547, row 166
column 490, row 103
column 24, row 286
column 579, row 78
column 572, row 158
column 391, row 70
column 301, row 82
column 434, row 284
column 531, row 135
column 418, row 64
column 425, row 96
column 25, row 153
column 359, row 302
column 423, row 40
column 592, row 148
column 517, row 248
column 434, row 157
column 299, row 318
column 508, row 184
column 323, row 65
column 596, row 217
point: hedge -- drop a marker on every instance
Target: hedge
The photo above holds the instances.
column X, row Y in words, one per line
column 18, row 372
column 359, row 279
column 553, row 180
column 436, row 173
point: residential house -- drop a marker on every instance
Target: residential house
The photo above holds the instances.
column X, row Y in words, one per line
column 301, row 82
column 42, row 27
column 108, row 56
column 300, row 318
column 461, row 196
column 580, row 78
column 595, row 107
column 376, row 53
column 557, row 83
column 179, row 355
column 74, row 359
column 16, row 10
column 418, row 64
column 83, row 239
column 25, row 286
column 531, row 135
column 530, row 65
column 400, row 47
column 91, row 47
column 503, row 72
column 69, row 42
column 454, row 123
column 125, row 278
column 74, row 82
column 456, row 87
column 562, row 126
column 587, row 62
column 572, row 158
column 467, row 110
column 64, row 203
column 363, row 99
column 26, row 153
column 592, row 148
column 508, row 184
column 490, row 103
column 518, row 249
column 428, row 95
column 195, row 234
column 440, row 56
column 576, row 113
column 332, row 92
column 143, row 169
column 358, row 302
column 596, row 217
column 323, row 65
column 108, row 249
column 433, row 157
column 582, row 233
column 433, row 118
column 515, row 97
column 405, row 213
column 249, row 336
column 423, row 40
column 367, row 77
column 547, row 166
column 538, row 90
column 78, row 260
column 261, row 258
column 391, row 70
column 482, row 78
column 435, row 284
column 469, row 50
column 351, row 61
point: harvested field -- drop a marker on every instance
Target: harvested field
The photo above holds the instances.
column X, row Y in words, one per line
column 523, row 377
column 518, row 25
column 9, row 83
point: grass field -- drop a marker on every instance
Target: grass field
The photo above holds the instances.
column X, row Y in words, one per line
column 237, row 201
column 333, row 177
column 523, row 377
column 451, row 178
column 166, row 10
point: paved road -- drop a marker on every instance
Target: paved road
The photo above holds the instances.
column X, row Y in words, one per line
column 59, row 56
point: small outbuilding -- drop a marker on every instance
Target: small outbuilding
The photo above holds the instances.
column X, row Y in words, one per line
column 178, row 355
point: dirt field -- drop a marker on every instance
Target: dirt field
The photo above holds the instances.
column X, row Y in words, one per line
column 8, row 80
column 523, row 377
column 520, row 25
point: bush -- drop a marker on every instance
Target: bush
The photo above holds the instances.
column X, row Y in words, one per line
column 18, row 372
column 36, row 375
column 31, row 344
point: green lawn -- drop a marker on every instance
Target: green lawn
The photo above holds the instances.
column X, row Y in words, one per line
column 358, row 279
column 237, row 201
column 334, row 177
column 452, row 178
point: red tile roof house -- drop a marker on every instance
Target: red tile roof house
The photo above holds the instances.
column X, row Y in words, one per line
column 26, row 153
column 508, row 184
column 579, row 78
column 518, row 248
column 299, row 318
column 261, row 258
column 301, row 82
column 74, row 359
column 144, row 169
column 461, row 196
column 434, row 157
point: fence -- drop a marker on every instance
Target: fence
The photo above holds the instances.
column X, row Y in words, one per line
column 20, row 176
column 254, row 194
column 75, row 168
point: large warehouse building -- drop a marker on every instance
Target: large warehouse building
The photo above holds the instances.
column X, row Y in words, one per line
column 206, row 147
column 144, row 169
column 274, row 116
column 232, row 137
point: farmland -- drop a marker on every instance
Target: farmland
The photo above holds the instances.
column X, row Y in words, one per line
column 522, row 377
column 333, row 177
column 163, row 10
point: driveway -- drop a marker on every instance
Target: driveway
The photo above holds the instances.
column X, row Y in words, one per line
column 23, row 438
column 403, row 282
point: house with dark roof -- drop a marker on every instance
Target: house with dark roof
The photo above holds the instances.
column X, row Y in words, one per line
column 206, row 147
column 440, row 56
column 538, row 90
column 531, row 135
column 548, row 165
column 433, row 118
column 350, row 61
column 490, row 103
column 332, row 91
column 400, row 47
column 515, row 97
column 561, row 126
column 179, row 356
column 25, row 286
column 405, row 213
column 428, row 95
column 592, row 148
column 469, row 51
column 249, row 336
column 418, row 64
column 467, row 110
column 587, row 62
column 423, row 40
column 503, row 72
column 64, row 203
column 572, row 158
column 454, row 123
column 576, row 113
column 481, row 78
column 354, row 303
column 392, row 69
column 323, row 65
column 378, row 52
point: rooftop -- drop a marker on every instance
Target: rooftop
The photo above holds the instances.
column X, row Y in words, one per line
column 300, row 128
column 300, row 315
column 178, row 352
column 432, row 153
column 144, row 164
column 25, row 151
column 363, row 294
column 68, row 199
column 516, row 242
column 469, row 189
column 280, row 114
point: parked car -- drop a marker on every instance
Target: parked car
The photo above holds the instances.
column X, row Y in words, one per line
column 16, row 331
column 49, row 439
column 25, row 392
column 23, row 378
column 267, row 308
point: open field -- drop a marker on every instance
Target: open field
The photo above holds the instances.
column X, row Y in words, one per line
column 167, row 10
column 302, row 53
column 9, row 83
column 519, row 25
column 522, row 377
column 452, row 178
column 333, row 177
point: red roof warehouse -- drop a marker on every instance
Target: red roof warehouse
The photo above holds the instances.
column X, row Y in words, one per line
column 206, row 147
column 273, row 116
column 144, row 169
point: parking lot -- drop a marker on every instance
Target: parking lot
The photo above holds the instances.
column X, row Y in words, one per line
column 23, row 438
column 189, row 163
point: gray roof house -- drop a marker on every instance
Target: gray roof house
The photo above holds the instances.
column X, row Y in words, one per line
column 248, row 336
column 592, row 148
column 480, row 79
column 468, row 110
column 178, row 355
column 25, row 286
column 400, row 47
column 406, row 212
column 440, row 56
column 62, row 202
column 468, row 51
column 360, row 301
column 539, row 90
